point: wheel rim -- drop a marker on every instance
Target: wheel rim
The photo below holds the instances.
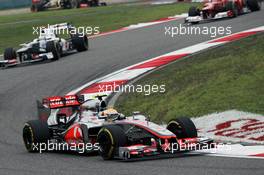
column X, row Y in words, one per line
column 106, row 144
column 174, row 127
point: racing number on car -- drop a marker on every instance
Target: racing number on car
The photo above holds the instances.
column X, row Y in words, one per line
column 241, row 128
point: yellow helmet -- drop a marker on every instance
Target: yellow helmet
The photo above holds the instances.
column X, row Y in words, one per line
column 109, row 111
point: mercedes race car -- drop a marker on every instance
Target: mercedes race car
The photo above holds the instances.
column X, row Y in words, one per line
column 216, row 9
column 72, row 121
column 48, row 46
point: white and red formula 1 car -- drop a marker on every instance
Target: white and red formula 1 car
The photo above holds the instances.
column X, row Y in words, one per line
column 74, row 121
column 216, row 9
column 48, row 46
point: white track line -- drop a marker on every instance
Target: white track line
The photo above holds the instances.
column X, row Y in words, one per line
column 188, row 50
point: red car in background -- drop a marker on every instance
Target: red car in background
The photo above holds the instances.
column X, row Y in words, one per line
column 216, row 9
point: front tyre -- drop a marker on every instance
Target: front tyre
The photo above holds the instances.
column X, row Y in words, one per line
column 194, row 11
column 253, row 5
column 10, row 54
column 80, row 42
column 110, row 138
column 35, row 133
column 182, row 127
column 54, row 48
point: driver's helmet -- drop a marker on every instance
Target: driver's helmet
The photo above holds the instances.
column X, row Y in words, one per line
column 110, row 113
column 46, row 33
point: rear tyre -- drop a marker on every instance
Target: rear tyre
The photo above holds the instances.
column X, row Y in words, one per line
column 110, row 138
column 35, row 132
column 10, row 54
column 80, row 43
column 253, row 5
column 231, row 6
column 183, row 128
column 54, row 48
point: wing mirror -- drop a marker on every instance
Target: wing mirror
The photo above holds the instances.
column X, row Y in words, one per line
column 61, row 119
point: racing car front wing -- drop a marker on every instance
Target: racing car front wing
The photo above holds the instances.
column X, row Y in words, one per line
column 6, row 63
column 140, row 151
column 196, row 19
column 37, row 58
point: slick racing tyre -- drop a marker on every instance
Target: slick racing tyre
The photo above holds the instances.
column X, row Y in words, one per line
column 183, row 128
column 231, row 6
column 54, row 48
column 10, row 54
column 194, row 11
column 80, row 42
column 253, row 5
column 110, row 138
column 35, row 133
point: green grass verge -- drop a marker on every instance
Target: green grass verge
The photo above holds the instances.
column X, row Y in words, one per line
column 16, row 29
column 224, row 78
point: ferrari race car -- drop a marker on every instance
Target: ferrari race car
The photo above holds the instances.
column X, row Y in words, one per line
column 41, row 5
column 216, row 9
column 75, row 122
column 48, row 46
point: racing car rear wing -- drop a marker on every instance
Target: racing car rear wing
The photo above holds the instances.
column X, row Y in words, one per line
column 60, row 26
column 59, row 102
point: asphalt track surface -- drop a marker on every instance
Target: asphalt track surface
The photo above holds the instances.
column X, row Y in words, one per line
column 21, row 86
